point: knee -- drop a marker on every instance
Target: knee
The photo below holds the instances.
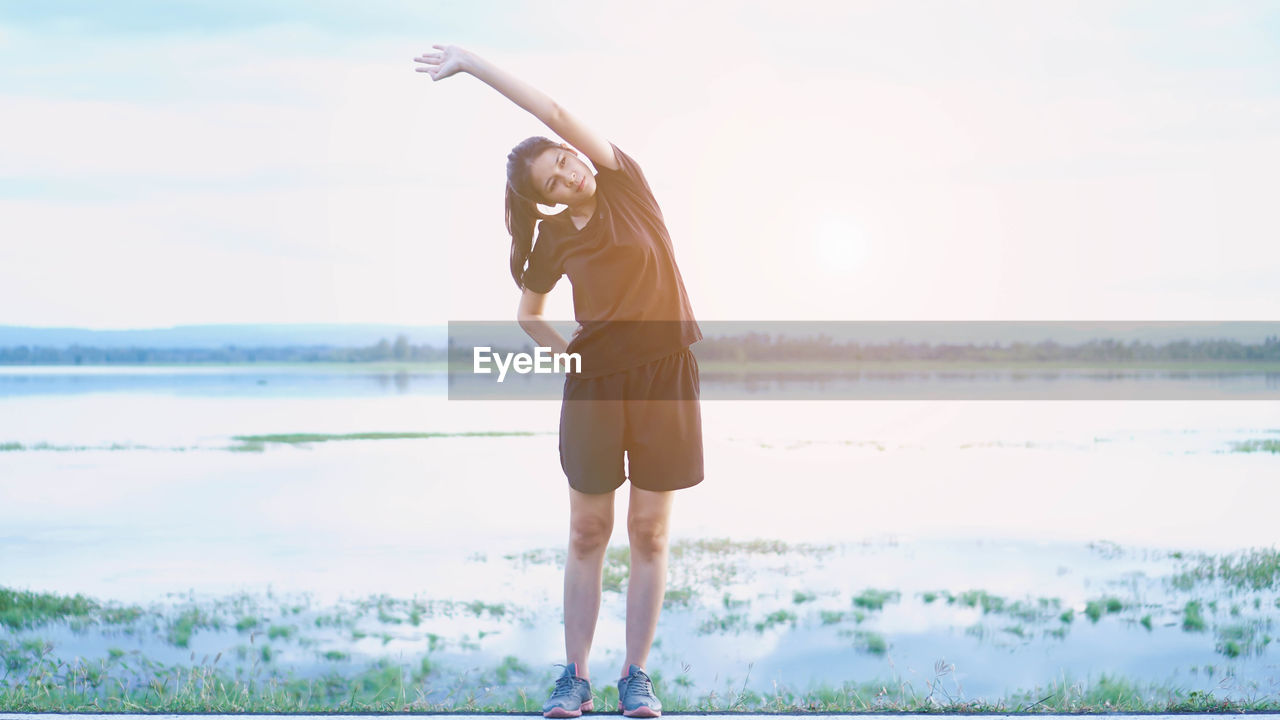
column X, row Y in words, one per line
column 589, row 534
column 648, row 535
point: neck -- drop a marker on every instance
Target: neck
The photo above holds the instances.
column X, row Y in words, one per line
column 585, row 210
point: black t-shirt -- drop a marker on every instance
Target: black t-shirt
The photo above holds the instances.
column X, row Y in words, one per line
column 627, row 291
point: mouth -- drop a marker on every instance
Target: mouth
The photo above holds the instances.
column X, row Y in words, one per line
column 583, row 183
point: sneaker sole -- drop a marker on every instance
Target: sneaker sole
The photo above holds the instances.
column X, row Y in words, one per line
column 559, row 712
column 642, row 711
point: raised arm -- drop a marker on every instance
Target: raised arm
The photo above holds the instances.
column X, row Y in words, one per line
column 448, row 60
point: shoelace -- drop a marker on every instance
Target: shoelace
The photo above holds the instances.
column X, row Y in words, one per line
column 564, row 684
column 641, row 681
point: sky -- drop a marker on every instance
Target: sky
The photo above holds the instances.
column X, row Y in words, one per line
column 224, row 161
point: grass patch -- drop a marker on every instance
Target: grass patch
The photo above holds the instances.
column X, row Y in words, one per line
column 726, row 546
column 254, row 443
column 723, row 624
column 24, row 609
column 1095, row 609
column 869, row 642
column 1256, row 569
column 187, row 622
column 1252, row 446
column 50, row 684
column 1193, row 617
column 617, row 568
column 778, row 617
column 975, row 598
column 872, row 599
column 677, row 596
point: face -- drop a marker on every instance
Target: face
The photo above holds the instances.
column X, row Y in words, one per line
column 562, row 177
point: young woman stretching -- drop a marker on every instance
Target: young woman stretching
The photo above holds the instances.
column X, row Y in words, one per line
column 638, row 389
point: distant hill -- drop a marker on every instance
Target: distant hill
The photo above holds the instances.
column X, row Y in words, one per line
column 865, row 332
column 219, row 336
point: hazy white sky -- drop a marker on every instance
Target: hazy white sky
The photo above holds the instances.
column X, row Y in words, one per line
column 282, row 162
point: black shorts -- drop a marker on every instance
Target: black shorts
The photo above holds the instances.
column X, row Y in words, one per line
column 651, row 412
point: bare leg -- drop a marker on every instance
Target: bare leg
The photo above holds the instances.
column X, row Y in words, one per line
column 648, row 515
column 590, row 525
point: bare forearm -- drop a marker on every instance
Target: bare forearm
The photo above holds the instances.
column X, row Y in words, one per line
column 529, row 98
column 543, row 334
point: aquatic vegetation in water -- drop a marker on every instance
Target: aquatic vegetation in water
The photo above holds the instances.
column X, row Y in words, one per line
column 26, row 609
column 1242, row 638
column 335, row 652
column 254, row 443
column 872, row 599
column 187, row 622
column 867, row 641
column 1193, row 617
column 778, row 617
column 1256, row 569
column 1094, row 609
column 1251, row 446
column 677, row 596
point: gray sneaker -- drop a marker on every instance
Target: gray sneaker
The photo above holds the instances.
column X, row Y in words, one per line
column 635, row 695
column 572, row 695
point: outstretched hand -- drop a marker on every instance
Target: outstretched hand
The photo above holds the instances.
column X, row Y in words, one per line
column 446, row 61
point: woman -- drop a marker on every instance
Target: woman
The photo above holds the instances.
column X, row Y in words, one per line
column 637, row 392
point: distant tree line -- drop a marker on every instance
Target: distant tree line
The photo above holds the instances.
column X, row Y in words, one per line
column 398, row 349
column 763, row 347
column 741, row 348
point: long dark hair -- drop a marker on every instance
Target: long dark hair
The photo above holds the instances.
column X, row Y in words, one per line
column 522, row 201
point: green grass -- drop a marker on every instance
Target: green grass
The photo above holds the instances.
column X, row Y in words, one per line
column 727, row 546
column 509, row 666
column 1251, row 446
column 41, row 682
column 310, row 438
column 1256, row 569
column 872, row 599
column 50, row 447
column 617, row 568
column 182, row 627
column 677, row 596
column 870, row 642
column 25, row 609
column 830, row 617
column 975, row 598
column 1095, row 609
column 1193, row 617
column 21, row 609
column 777, row 617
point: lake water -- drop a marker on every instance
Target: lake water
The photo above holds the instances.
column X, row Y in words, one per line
column 123, row 484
